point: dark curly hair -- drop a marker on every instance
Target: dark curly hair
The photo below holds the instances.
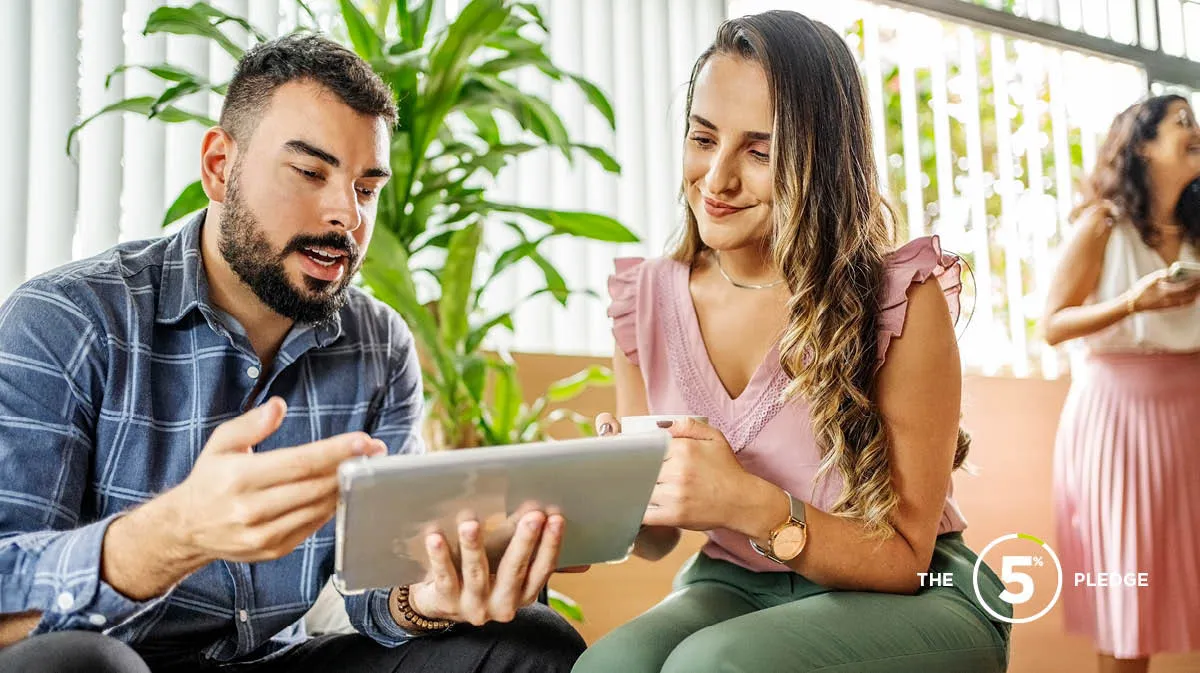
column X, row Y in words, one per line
column 1120, row 181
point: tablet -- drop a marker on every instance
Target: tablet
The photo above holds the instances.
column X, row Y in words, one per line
column 387, row 505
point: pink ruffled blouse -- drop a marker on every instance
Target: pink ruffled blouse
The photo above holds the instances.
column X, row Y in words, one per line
column 655, row 325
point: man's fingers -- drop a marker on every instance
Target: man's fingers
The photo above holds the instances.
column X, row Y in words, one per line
column 475, row 573
column 441, row 567
column 311, row 461
column 514, row 565
column 241, row 433
column 546, row 559
column 279, row 500
column 282, row 535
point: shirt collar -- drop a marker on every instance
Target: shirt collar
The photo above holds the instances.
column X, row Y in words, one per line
column 184, row 286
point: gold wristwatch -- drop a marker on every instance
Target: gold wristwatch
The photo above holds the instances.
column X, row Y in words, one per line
column 786, row 540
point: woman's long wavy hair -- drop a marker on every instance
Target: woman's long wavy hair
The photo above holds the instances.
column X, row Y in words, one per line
column 831, row 231
column 1120, row 180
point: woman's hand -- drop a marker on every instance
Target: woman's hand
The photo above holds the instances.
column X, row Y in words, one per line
column 607, row 424
column 701, row 485
column 1154, row 292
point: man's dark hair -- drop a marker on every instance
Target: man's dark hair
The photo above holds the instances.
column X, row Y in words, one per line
column 299, row 57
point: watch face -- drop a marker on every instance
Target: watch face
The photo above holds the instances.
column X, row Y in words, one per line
column 789, row 542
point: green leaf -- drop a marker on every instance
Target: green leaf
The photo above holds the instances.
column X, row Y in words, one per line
column 478, row 334
column 576, row 223
column 470, row 29
column 602, row 157
column 441, row 240
column 457, row 275
column 474, row 376
column 141, row 105
column 208, row 10
column 166, row 72
column 554, row 280
column 413, row 22
column 565, row 606
column 511, row 256
column 312, row 16
column 191, row 21
column 174, row 93
column 574, row 385
column 485, row 124
column 367, row 43
column 191, row 199
column 535, row 13
column 173, row 115
column 507, row 398
column 597, row 98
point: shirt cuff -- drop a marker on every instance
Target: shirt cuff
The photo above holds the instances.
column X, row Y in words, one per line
column 388, row 632
column 74, row 597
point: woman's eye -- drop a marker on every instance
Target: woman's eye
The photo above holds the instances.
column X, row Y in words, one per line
column 702, row 141
column 761, row 156
column 312, row 175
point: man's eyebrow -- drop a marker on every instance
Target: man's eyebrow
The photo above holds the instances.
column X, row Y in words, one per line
column 301, row 147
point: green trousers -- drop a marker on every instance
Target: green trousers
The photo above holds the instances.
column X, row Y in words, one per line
column 723, row 618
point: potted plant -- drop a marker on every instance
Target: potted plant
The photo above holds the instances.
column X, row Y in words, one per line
column 453, row 87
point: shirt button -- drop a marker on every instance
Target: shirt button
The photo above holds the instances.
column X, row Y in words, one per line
column 65, row 601
column 97, row 620
column 253, row 372
column 243, row 616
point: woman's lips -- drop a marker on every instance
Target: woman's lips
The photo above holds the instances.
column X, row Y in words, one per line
column 720, row 209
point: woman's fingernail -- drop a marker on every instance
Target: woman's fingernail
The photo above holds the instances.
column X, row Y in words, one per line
column 665, row 424
column 605, row 428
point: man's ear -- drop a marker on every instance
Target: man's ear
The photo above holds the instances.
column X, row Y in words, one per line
column 218, row 153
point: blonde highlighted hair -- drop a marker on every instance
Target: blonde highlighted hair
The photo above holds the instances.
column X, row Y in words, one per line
column 831, row 232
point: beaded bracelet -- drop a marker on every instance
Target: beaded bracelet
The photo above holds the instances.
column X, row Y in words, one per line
column 404, row 607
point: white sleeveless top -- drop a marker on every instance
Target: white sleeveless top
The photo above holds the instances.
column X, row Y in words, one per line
column 1126, row 259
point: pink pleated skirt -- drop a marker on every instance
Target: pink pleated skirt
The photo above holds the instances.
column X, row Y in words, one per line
column 1127, row 500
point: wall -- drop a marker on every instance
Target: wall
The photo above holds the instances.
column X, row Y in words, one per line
column 1012, row 422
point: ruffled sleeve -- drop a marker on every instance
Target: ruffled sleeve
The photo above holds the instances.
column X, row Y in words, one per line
column 623, row 288
column 914, row 263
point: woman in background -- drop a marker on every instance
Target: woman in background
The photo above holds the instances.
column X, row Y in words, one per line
column 1127, row 457
column 785, row 317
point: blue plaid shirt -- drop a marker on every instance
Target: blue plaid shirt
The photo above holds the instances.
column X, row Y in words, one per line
column 114, row 371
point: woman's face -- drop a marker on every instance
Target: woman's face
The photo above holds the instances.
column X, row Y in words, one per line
column 1174, row 156
column 726, row 157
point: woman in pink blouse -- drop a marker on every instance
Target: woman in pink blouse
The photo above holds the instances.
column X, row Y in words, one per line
column 827, row 367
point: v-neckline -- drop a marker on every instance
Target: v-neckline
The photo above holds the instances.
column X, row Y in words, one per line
column 763, row 374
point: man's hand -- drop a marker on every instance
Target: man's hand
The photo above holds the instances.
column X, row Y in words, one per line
column 475, row 594
column 235, row 505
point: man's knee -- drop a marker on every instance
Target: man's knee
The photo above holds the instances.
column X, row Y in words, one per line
column 538, row 639
column 71, row 652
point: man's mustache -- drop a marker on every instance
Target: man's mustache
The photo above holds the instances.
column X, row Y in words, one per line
column 330, row 240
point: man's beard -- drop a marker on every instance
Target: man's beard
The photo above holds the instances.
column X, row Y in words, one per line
column 247, row 251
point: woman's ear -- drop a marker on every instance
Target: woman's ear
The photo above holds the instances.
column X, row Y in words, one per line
column 218, row 151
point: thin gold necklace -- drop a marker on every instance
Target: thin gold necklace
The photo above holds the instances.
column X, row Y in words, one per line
column 744, row 286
